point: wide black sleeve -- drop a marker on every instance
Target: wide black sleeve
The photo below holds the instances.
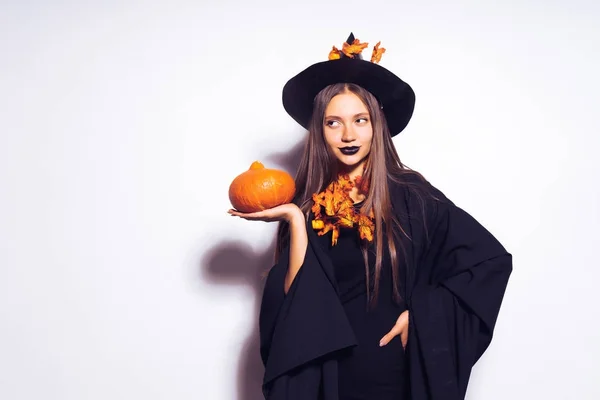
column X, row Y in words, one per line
column 300, row 331
column 461, row 275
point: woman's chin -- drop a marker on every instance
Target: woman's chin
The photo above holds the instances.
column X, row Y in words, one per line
column 349, row 163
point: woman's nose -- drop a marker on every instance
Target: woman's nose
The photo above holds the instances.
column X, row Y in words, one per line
column 348, row 135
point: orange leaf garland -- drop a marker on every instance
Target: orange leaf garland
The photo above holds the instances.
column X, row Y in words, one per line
column 377, row 53
column 334, row 209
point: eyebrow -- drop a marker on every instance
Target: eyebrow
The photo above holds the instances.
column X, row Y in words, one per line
column 355, row 115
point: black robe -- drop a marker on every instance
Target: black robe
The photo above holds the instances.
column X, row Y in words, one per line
column 456, row 275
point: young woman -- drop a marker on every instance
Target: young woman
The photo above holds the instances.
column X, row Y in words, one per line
column 383, row 288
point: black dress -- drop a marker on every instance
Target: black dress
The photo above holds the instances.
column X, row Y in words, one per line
column 458, row 275
column 367, row 371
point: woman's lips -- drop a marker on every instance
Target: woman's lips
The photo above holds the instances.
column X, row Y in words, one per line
column 350, row 150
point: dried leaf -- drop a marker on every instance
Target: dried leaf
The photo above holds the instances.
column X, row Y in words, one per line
column 345, row 182
column 334, row 236
column 317, row 203
column 318, row 224
column 356, row 47
column 335, row 54
column 346, row 221
column 330, row 203
column 362, row 184
column 377, row 53
column 365, row 227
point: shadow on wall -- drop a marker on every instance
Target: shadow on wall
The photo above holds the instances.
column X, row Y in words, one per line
column 235, row 263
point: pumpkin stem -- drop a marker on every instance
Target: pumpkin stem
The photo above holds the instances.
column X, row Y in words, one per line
column 257, row 165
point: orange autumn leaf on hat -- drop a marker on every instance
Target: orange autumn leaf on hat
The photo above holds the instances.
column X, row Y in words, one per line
column 355, row 48
column 335, row 54
column 377, row 53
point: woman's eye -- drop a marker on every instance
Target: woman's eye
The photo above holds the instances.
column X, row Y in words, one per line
column 331, row 123
column 362, row 120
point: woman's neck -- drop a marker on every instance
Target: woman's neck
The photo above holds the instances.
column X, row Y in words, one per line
column 353, row 171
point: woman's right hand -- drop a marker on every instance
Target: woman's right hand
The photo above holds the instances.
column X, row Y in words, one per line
column 284, row 212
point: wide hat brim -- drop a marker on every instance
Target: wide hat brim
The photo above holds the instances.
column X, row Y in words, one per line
column 395, row 96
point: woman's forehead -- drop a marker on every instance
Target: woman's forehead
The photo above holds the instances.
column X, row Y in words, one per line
column 346, row 104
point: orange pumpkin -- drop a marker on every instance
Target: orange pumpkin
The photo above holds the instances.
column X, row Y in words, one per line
column 260, row 188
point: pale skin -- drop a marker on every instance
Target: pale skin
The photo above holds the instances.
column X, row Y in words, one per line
column 347, row 123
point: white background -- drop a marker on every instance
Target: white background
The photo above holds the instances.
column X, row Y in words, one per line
column 123, row 123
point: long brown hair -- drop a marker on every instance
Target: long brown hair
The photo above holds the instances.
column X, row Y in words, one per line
column 318, row 168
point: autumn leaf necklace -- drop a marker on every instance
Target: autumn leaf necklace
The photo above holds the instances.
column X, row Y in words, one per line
column 334, row 209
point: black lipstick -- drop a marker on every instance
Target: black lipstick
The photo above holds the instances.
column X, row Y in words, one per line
column 350, row 150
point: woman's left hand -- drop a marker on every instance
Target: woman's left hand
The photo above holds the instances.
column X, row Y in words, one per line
column 283, row 212
column 400, row 328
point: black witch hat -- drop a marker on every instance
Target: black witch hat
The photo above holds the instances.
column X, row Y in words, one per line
column 396, row 97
